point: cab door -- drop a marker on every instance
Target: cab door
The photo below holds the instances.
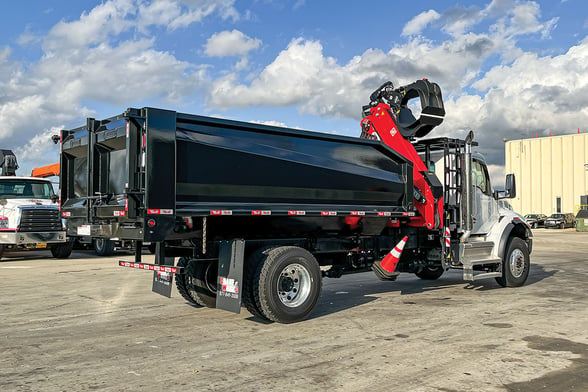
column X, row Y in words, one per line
column 485, row 211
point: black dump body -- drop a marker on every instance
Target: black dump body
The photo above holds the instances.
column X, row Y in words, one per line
column 154, row 175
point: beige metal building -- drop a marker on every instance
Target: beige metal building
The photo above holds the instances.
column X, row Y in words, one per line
column 551, row 173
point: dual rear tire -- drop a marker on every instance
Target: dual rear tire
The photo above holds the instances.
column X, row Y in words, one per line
column 281, row 284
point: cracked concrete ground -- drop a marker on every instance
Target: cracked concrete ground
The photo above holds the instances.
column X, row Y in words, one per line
column 86, row 324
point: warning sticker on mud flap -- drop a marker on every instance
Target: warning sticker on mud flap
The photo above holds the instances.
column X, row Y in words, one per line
column 229, row 287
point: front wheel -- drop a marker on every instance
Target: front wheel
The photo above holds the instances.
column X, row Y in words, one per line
column 62, row 251
column 430, row 273
column 515, row 264
column 287, row 284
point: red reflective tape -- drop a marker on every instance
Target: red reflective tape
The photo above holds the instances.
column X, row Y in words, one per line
column 221, row 212
column 296, row 212
column 64, row 213
column 384, row 213
column 153, row 211
column 328, row 213
column 261, row 212
column 358, row 213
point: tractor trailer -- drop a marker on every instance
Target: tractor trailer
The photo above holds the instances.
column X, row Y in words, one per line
column 253, row 215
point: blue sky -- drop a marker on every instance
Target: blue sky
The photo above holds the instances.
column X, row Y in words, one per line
column 508, row 69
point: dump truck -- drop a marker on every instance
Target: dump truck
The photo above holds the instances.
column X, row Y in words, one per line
column 251, row 215
column 29, row 212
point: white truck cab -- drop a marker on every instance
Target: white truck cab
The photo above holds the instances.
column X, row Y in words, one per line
column 29, row 216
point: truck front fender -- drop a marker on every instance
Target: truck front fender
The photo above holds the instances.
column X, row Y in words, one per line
column 515, row 229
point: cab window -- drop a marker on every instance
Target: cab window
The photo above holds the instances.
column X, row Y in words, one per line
column 480, row 177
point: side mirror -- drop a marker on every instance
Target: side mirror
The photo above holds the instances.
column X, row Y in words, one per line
column 54, row 199
column 510, row 189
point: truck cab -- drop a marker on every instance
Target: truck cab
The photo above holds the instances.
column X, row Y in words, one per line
column 29, row 216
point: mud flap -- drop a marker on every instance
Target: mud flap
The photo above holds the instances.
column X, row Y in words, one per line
column 230, row 275
column 162, row 281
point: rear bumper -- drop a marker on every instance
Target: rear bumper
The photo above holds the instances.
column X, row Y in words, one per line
column 22, row 238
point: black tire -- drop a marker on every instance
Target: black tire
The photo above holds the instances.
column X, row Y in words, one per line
column 515, row 264
column 249, row 273
column 562, row 226
column 534, row 226
column 287, row 284
column 430, row 273
column 62, row 251
column 1, row 251
column 181, row 282
column 201, row 281
column 103, row 247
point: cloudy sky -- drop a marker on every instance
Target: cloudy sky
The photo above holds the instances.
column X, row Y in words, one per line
column 509, row 69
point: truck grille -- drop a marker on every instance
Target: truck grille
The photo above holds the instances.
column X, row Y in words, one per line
column 40, row 219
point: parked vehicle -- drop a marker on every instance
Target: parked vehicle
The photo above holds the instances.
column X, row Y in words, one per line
column 29, row 212
column 258, row 215
column 560, row 221
column 535, row 220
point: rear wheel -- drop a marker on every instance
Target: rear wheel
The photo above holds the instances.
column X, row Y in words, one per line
column 181, row 282
column 287, row 284
column 103, row 247
column 63, row 250
column 430, row 273
column 515, row 264
column 249, row 272
column 201, row 279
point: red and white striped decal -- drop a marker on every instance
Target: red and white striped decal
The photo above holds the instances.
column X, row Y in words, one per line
column 157, row 211
column 329, row 213
column 296, row 212
column 447, row 237
column 66, row 213
column 261, row 212
column 221, row 212
column 357, row 213
column 384, row 213
column 149, row 267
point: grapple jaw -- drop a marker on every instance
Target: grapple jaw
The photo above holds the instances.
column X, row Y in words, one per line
column 432, row 109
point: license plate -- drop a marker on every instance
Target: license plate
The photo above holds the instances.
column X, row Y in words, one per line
column 84, row 230
column 41, row 245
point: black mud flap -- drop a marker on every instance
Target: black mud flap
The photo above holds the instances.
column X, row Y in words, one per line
column 162, row 281
column 230, row 275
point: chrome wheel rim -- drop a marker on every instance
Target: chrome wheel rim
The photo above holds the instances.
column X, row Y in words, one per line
column 294, row 285
column 517, row 263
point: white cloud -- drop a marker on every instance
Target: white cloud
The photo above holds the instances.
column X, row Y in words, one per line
column 420, row 22
column 110, row 55
column 86, row 60
column 230, row 43
column 176, row 14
